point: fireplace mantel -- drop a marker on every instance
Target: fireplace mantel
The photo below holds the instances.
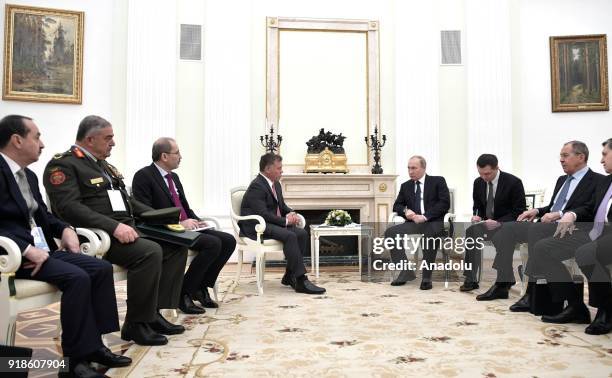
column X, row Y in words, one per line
column 372, row 194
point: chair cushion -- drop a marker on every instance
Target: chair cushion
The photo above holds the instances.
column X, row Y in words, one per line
column 266, row 243
column 29, row 288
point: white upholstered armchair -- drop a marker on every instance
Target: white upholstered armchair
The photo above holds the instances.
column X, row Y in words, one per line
column 260, row 246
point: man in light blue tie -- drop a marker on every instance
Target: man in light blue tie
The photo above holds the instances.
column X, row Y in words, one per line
column 590, row 243
column 573, row 189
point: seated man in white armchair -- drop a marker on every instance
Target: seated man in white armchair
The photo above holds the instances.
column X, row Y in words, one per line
column 264, row 197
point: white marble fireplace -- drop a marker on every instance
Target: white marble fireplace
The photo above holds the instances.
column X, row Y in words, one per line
column 372, row 195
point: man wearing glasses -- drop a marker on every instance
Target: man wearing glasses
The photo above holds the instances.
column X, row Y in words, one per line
column 158, row 186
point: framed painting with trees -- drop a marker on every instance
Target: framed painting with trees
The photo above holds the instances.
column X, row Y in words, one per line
column 579, row 73
column 43, row 55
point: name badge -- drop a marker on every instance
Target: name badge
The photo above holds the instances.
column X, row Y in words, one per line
column 116, row 200
column 39, row 239
column 97, row 180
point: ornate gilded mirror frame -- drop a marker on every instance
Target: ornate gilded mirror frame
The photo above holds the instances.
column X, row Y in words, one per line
column 369, row 27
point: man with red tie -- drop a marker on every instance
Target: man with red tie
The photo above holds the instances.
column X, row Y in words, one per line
column 264, row 197
column 159, row 187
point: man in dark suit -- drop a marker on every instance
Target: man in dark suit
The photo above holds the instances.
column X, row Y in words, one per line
column 573, row 189
column 264, row 197
column 159, row 187
column 88, row 304
column 590, row 244
column 422, row 201
column 87, row 191
column 498, row 197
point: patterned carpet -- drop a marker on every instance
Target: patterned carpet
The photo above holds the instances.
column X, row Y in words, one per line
column 369, row 329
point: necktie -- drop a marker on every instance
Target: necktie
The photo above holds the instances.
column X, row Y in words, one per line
column 562, row 197
column 24, row 188
column 600, row 215
column 175, row 198
column 490, row 202
column 278, row 213
column 417, row 198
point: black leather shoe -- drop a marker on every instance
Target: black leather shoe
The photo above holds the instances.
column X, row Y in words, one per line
column 601, row 325
column 80, row 369
column 204, row 298
column 578, row 313
column 187, row 306
column 303, row 285
column 426, row 285
column 161, row 325
column 288, row 279
column 142, row 334
column 497, row 291
column 105, row 357
column 403, row 277
column 469, row 286
column 522, row 305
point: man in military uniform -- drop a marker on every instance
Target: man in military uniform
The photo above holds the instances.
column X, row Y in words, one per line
column 87, row 191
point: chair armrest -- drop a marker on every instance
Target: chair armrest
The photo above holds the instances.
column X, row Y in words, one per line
column 92, row 245
column 302, row 222
column 105, row 241
column 10, row 262
column 395, row 219
column 259, row 228
column 211, row 220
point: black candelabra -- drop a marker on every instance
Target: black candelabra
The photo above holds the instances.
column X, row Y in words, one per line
column 271, row 145
column 376, row 145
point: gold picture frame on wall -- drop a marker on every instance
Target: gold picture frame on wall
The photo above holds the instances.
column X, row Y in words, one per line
column 43, row 55
column 579, row 73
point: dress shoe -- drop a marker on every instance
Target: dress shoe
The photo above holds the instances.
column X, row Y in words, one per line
column 80, row 369
column 601, row 325
column 288, row 279
column 142, row 334
column 105, row 357
column 161, row 325
column 497, row 291
column 573, row 313
column 426, row 285
column 469, row 286
column 204, row 298
column 522, row 305
column 187, row 306
column 403, row 277
column 303, row 285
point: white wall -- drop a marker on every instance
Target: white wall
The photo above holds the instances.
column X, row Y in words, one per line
column 103, row 80
column 539, row 132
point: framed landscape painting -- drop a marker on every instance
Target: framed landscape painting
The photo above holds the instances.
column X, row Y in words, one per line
column 579, row 73
column 43, row 55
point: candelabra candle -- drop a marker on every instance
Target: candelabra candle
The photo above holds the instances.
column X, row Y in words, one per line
column 375, row 146
column 268, row 141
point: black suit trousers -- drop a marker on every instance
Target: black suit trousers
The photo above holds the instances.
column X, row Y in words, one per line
column 294, row 240
column 473, row 254
column 505, row 241
column 214, row 249
column 428, row 229
column 155, row 275
column 546, row 259
column 88, row 306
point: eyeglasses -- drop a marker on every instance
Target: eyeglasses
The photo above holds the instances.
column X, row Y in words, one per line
column 173, row 153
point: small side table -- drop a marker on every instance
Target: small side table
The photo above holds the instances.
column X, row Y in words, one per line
column 318, row 230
